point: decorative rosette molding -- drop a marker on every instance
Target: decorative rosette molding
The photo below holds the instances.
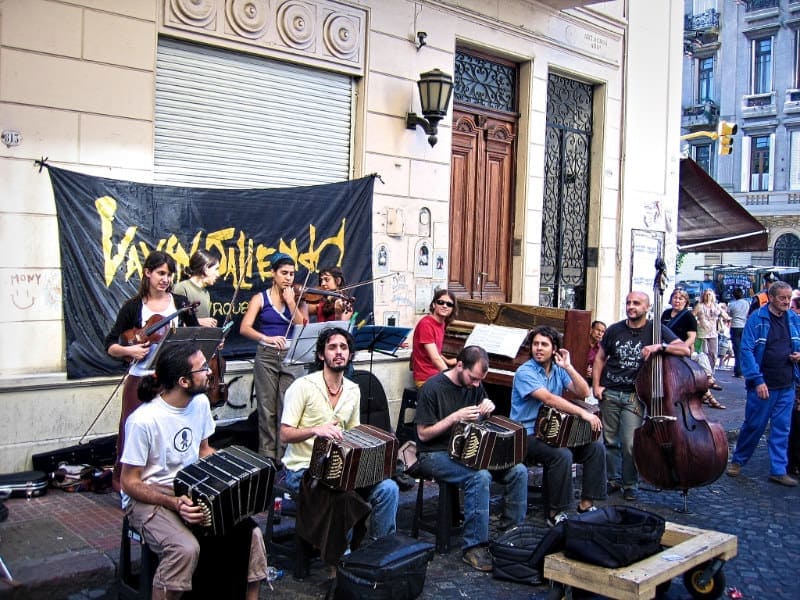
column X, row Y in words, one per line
column 248, row 18
column 341, row 35
column 197, row 13
column 297, row 23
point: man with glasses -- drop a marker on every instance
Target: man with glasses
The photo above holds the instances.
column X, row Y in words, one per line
column 446, row 399
column 770, row 352
column 167, row 433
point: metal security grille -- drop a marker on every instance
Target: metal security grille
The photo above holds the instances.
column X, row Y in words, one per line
column 483, row 82
column 565, row 210
column 225, row 119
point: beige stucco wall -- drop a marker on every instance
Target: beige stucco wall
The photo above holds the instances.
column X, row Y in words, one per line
column 77, row 79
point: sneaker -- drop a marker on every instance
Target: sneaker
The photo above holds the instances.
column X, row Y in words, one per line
column 478, row 558
column 581, row 511
column 629, row 494
column 556, row 519
column 734, row 469
column 786, row 480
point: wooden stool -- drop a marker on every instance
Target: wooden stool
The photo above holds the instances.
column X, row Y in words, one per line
column 135, row 585
column 447, row 518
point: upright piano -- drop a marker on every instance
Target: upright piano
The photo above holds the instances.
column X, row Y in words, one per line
column 573, row 325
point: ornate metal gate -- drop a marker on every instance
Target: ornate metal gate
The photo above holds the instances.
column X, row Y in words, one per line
column 565, row 210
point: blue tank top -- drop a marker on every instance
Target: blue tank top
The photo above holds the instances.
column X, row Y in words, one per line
column 271, row 322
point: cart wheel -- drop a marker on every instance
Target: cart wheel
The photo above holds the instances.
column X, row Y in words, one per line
column 662, row 589
column 714, row 588
column 556, row 592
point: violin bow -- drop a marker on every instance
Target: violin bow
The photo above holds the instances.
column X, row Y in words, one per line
column 361, row 283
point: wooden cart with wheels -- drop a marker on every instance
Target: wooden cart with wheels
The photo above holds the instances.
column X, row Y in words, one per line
column 697, row 554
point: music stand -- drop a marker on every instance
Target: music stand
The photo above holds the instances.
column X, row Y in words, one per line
column 207, row 338
column 377, row 338
column 302, row 348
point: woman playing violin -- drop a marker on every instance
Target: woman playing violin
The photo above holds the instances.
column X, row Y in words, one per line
column 332, row 308
column 269, row 321
column 152, row 302
column 203, row 272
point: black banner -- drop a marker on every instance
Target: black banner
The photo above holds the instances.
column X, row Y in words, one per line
column 107, row 227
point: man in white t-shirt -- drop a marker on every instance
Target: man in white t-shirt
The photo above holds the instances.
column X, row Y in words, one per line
column 167, row 433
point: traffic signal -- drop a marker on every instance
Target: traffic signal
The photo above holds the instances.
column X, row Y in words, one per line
column 725, row 133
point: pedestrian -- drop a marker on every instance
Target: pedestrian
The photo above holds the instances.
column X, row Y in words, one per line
column 445, row 400
column 738, row 310
column 707, row 312
column 770, row 352
column 762, row 298
column 539, row 382
column 625, row 347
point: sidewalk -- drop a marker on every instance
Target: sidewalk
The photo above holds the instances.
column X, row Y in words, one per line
column 66, row 545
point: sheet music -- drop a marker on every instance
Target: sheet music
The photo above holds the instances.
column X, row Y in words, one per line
column 496, row 339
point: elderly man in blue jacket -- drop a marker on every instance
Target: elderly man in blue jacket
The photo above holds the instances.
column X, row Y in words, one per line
column 770, row 353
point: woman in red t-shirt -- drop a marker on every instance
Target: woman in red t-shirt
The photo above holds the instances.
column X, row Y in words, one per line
column 426, row 350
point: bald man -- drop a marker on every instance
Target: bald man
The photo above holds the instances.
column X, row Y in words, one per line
column 623, row 351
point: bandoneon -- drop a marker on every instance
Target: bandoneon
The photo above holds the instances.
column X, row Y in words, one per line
column 562, row 430
column 365, row 456
column 230, row 485
column 496, row 443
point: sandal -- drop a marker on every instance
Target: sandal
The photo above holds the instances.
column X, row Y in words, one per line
column 713, row 402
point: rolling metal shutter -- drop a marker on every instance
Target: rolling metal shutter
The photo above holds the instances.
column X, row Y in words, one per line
column 225, row 119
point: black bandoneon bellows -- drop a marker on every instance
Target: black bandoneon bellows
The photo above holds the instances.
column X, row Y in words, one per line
column 496, row 443
column 562, row 430
column 365, row 456
column 231, row 485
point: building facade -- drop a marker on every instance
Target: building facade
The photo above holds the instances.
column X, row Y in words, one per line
column 557, row 159
column 742, row 65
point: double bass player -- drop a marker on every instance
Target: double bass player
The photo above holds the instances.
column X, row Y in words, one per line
column 623, row 351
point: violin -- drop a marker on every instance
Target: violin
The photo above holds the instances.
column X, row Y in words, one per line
column 154, row 329
column 315, row 296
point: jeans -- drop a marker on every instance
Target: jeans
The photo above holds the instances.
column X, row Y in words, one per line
column 736, row 342
column 384, row 498
column 476, row 485
column 557, row 464
column 777, row 410
column 622, row 413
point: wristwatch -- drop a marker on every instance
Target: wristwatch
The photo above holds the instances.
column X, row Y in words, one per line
column 664, row 346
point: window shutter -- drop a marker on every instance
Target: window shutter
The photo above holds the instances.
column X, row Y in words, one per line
column 225, row 119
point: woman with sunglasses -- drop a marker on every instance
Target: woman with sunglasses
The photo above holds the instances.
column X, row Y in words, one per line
column 426, row 350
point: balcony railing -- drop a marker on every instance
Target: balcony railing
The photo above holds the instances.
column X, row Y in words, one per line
column 751, row 5
column 708, row 19
column 700, row 115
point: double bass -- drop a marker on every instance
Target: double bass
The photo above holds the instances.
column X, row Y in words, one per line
column 676, row 448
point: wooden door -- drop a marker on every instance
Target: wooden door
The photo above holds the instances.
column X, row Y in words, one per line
column 481, row 204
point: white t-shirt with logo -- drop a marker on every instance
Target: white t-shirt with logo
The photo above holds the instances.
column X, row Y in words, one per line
column 164, row 439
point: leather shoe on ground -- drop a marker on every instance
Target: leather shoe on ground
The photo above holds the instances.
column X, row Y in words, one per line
column 612, row 487
column 786, row 480
column 734, row 469
column 478, row 558
column 629, row 494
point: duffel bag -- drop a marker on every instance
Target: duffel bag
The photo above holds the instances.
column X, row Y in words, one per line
column 613, row 536
column 518, row 554
column 390, row 568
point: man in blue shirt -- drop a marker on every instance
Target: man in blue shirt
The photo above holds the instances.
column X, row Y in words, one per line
column 542, row 380
column 770, row 353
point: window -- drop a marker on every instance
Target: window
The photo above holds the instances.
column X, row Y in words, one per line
column 702, row 156
column 794, row 160
column 759, row 163
column 705, row 79
column 796, row 75
column 787, row 251
column 762, row 66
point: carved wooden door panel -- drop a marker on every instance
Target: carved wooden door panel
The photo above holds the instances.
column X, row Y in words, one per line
column 481, row 204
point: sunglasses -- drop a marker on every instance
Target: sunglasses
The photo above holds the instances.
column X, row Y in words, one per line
column 445, row 303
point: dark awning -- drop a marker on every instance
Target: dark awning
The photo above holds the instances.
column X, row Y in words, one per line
column 711, row 220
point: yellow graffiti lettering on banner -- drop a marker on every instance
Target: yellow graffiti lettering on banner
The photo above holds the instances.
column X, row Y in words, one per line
column 233, row 257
